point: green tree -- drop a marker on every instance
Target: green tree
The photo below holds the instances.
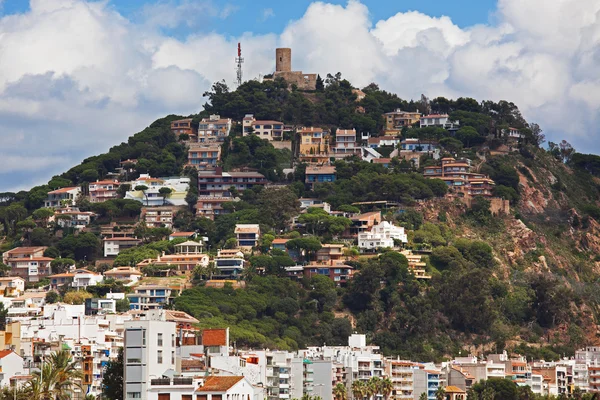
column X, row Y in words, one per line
column 309, row 245
column 320, row 86
column 60, row 265
column 52, row 297
column 143, row 189
column 112, row 380
column 165, row 193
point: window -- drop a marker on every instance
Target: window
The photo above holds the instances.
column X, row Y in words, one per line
column 134, row 395
column 172, row 340
column 160, row 339
column 143, row 338
column 159, row 356
column 172, row 357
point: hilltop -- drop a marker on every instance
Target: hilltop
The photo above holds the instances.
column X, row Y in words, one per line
column 523, row 280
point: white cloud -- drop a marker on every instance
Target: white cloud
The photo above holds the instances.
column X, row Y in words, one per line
column 76, row 77
column 267, row 13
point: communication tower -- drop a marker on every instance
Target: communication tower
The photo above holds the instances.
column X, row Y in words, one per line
column 239, row 61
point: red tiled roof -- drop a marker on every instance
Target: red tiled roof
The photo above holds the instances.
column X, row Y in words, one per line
column 4, row 353
column 26, row 249
column 214, row 337
column 63, row 190
column 279, row 241
column 182, row 234
column 436, row 116
column 219, row 383
column 382, row 160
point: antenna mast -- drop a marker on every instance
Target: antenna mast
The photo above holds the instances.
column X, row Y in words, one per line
column 239, row 60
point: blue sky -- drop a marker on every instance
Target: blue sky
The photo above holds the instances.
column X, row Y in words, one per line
column 249, row 15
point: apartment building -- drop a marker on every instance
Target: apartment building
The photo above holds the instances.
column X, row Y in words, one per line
column 269, row 130
column 426, row 381
column 284, row 376
column 101, row 191
column 247, row 235
column 382, row 235
column 77, row 279
column 151, row 197
column 150, row 297
column 319, row 174
column 345, row 144
column 398, row 119
column 188, row 255
column 113, row 246
column 62, row 197
column 415, row 264
column 459, row 177
column 184, row 127
column 71, row 217
column 149, row 353
column 157, row 217
column 401, row 373
column 204, row 155
column 418, row 145
column 211, row 207
column 218, row 183
column 230, row 263
column 339, row 273
column 214, row 129
column 28, row 263
column 362, row 223
column 313, row 142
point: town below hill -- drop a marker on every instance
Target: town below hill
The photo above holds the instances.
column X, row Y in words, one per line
column 303, row 238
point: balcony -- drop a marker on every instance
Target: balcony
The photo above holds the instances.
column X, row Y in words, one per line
column 160, row 382
column 182, row 381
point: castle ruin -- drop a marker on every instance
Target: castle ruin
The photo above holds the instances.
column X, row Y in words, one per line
column 283, row 69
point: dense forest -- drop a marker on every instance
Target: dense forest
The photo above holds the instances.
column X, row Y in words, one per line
column 523, row 281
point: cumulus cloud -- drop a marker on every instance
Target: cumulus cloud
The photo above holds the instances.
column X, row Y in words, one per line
column 267, row 13
column 76, row 77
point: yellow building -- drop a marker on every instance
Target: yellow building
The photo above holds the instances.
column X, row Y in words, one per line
column 313, row 141
column 396, row 120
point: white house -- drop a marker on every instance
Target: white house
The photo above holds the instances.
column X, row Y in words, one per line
column 11, row 364
column 59, row 197
column 12, row 286
column 381, row 236
column 440, row 121
column 227, row 387
column 123, row 274
column 112, row 246
column 152, row 197
column 71, row 217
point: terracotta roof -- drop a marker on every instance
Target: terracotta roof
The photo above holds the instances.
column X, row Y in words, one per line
column 280, row 241
column 10, row 278
column 63, row 190
column 66, row 275
column 214, row 337
column 382, row 160
column 31, row 259
column 182, row 234
column 267, row 122
column 26, row 249
column 374, row 140
column 453, row 389
column 247, row 228
column 219, row 383
column 320, row 170
column 345, row 132
column 123, row 270
column 4, row 353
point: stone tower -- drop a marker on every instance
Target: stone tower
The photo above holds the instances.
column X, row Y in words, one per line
column 283, row 61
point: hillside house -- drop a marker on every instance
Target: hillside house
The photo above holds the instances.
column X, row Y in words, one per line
column 128, row 274
column 218, row 183
column 114, row 245
column 319, row 174
column 62, row 197
column 383, row 235
column 439, row 121
column 204, row 155
column 214, row 129
column 269, row 130
column 71, row 217
column 12, row 286
column 212, row 206
column 230, row 263
column 458, row 176
column 101, row 191
column 247, row 235
column 398, row 119
column 184, row 127
column 77, row 279
column 152, row 197
column 28, row 263
column 345, row 144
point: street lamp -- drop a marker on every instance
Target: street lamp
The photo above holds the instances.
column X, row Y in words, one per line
column 16, row 383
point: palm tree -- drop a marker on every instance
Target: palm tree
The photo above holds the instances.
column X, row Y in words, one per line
column 385, row 387
column 373, row 386
column 56, row 379
column 339, row 392
column 440, row 393
column 358, row 390
column 423, row 396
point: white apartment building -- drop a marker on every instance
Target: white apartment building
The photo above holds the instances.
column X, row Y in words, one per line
column 284, row 376
column 11, row 364
column 113, row 246
column 345, row 144
column 149, row 354
column 213, row 129
column 151, row 197
column 269, row 130
column 381, row 236
column 440, row 121
column 61, row 197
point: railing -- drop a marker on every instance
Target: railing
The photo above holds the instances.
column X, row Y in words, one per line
column 182, row 381
column 160, row 382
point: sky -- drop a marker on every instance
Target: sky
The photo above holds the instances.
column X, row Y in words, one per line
column 79, row 76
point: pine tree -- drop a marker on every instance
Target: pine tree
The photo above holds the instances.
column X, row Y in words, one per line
column 112, row 382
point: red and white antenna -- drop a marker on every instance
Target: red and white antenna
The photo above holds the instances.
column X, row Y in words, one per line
column 239, row 61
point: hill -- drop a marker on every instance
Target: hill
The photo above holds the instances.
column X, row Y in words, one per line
column 523, row 281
